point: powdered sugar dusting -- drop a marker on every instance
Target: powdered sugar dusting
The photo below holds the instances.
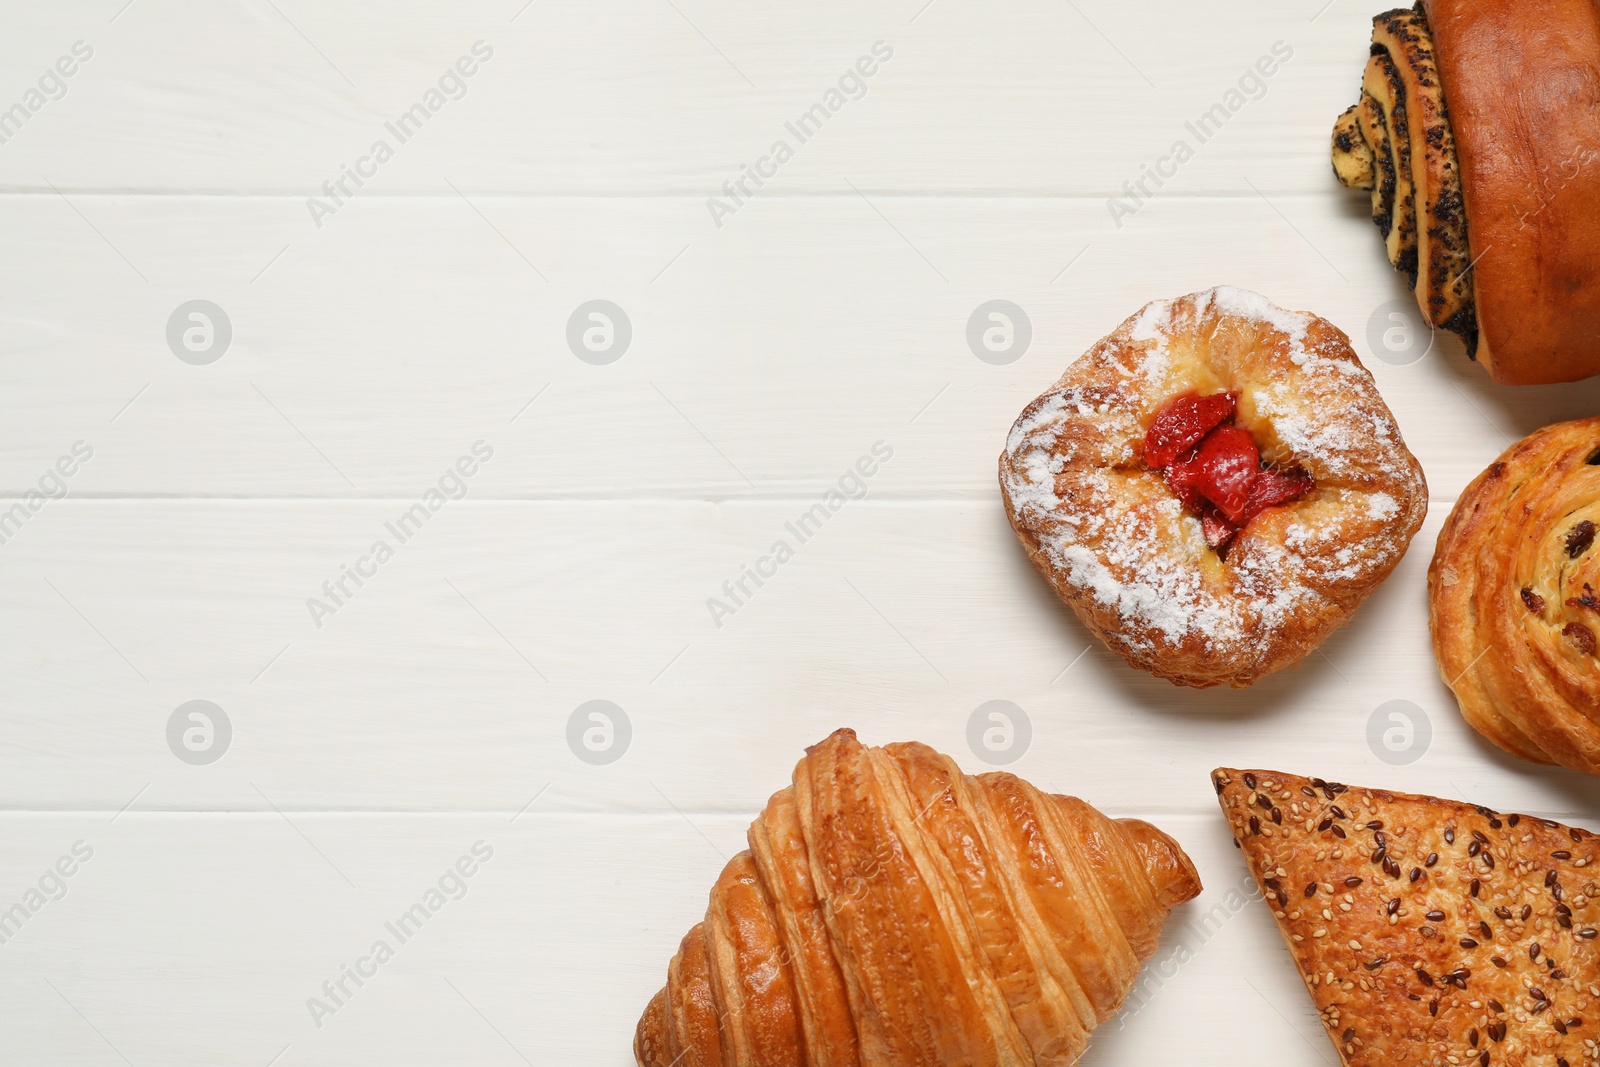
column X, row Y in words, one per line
column 1243, row 304
column 1109, row 530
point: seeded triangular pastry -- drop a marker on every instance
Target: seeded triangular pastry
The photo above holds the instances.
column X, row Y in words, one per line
column 1428, row 931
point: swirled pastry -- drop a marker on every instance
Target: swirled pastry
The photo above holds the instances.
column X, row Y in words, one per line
column 1214, row 487
column 1476, row 132
column 892, row 911
column 1429, row 933
column 1514, row 592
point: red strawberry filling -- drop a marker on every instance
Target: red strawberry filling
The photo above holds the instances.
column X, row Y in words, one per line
column 1214, row 467
column 1181, row 424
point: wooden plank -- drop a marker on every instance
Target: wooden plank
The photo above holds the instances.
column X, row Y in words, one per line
column 764, row 359
column 613, row 98
column 448, row 680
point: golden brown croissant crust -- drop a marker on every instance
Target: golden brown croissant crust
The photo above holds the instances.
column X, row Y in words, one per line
column 1514, row 597
column 893, row 912
column 1477, row 131
column 1118, row 547
column 1427, row 931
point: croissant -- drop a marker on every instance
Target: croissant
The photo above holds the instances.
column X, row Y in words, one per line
column 893, row 912
column 1428, row 932
column 1475, row 132
column 1514, row 598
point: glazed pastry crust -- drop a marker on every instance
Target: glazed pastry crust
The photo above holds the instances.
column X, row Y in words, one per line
column 1118, row 547
column 1523, row 85
column 1523, row 664
column 1427, row 931
column 893, row 912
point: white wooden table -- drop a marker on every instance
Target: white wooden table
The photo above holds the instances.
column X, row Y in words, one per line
column 774, row 339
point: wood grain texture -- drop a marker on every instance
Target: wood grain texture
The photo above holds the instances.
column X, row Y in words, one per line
column 770, row 354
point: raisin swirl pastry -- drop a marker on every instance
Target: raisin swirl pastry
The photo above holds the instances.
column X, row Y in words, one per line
column 1476, row 133
column 894, row 912
column 1514, row 592
column 1214, row 487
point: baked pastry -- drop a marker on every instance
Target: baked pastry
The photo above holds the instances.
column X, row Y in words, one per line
column 1514, row 598
column 1476, row 132
column 893, row 911
column 1427, row 931
column 1214, row 487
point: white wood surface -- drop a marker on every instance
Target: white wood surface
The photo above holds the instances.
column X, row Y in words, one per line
column 768, row 354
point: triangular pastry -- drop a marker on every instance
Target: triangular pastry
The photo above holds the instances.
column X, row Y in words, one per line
column 1428, row 931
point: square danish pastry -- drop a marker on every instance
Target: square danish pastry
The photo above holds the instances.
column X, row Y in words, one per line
column 1214, row 487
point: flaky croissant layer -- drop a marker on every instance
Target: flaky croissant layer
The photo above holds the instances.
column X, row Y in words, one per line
column 892, row 911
